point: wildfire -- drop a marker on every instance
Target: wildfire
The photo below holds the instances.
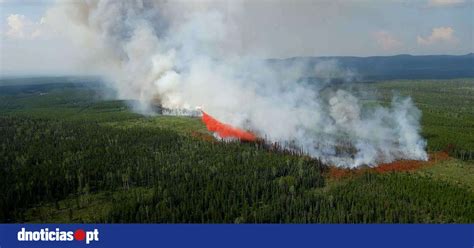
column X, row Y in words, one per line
column 224, row 130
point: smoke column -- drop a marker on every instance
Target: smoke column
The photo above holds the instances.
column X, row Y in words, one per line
column 186, row 54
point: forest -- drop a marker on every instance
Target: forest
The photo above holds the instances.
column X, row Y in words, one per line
column 70, row 155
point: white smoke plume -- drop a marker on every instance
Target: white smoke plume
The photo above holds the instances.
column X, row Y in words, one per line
column 184, row 55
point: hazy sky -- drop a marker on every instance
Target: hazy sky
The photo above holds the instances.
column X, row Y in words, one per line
column 269, row 29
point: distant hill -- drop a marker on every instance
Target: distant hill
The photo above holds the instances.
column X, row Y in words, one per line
column 394, row 67
column 361, row 68
column 39, row 80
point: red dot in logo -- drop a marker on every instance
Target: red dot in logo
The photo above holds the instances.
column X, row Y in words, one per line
column 79, row 234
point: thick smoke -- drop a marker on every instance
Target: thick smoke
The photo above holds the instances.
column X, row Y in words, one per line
column 184, row 55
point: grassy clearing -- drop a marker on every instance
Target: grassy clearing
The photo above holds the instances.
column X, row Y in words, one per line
column 454, row 171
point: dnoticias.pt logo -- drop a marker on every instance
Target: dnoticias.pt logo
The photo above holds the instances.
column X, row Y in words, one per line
column 58, row 235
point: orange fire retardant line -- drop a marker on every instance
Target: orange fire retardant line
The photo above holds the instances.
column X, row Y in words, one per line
column 225, row 130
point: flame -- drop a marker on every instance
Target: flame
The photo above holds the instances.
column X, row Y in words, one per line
column 225, row 130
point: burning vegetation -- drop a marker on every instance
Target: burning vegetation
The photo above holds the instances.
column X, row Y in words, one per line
column 396, row 166
column 226, row 131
